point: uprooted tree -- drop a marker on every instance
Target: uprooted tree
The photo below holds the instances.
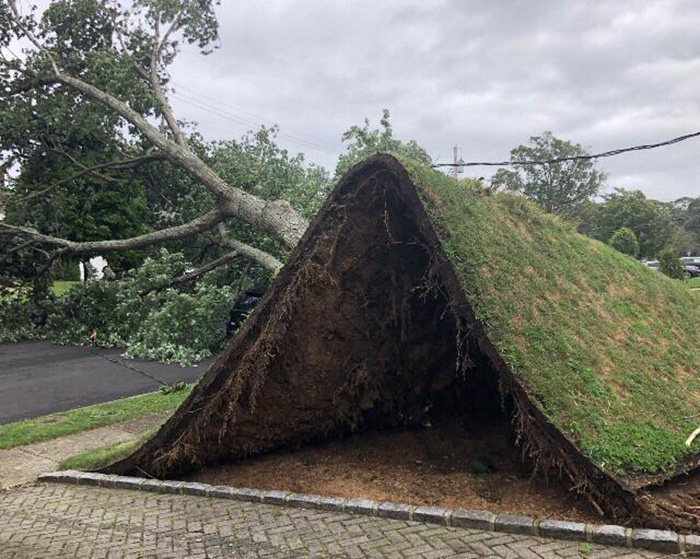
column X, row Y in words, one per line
column 89, row 94
column 415, row 297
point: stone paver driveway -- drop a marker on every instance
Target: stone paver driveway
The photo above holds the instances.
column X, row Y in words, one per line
column 60, row 521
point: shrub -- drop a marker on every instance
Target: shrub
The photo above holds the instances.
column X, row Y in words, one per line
column 168, row 325
column 625, row 241
column 670, row 265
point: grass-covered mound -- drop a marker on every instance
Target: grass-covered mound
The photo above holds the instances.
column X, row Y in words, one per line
column 608, row 349
column 413, row 298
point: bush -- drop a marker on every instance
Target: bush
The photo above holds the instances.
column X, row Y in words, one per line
column 168, row 325
column 670, row 265
column 625, row 241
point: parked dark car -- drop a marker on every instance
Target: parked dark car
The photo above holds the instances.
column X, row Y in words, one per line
column 243, row 306
column 691, row 272
column 691, row 261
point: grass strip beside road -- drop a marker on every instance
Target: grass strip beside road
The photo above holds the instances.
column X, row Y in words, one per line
column 694, row 283
column 91, row 417
column 60, row 287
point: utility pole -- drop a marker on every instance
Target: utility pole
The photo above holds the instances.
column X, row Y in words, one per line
column 458, row 167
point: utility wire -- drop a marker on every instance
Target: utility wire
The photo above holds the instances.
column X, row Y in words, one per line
column 610, row 153
column 218, row 111
column 237, row 110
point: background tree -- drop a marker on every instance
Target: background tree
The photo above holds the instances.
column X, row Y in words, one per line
column 559, row 188
column 670, row 264
column 625, row 241
column 99, row 67
column 364, row 142
column 649, row 220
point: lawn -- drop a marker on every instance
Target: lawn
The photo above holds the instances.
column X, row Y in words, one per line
column 61, row 287
column 693, row 283
column 90, row 417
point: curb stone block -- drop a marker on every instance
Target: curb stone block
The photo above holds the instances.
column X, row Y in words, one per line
column 474, row 519
column 194, row 488
column 154, row 486
column 331, row 503
column 174, row 487
column 361, row 506
column 513, row 524
column 562, row 529
column 692, row 543
column 302, row 501
column 395, row 511
column 91, row 478
column 249, row 495
column 660, row 540
column 434, row 515
column 222, row 492
column 274, row 497
column 607, row 534
column 124, row 482
column 66, row 476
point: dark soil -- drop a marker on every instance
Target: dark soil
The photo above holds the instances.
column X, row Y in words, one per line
column 430, row 466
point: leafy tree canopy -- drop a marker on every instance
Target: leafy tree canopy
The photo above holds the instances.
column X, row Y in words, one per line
column 649, row 220
column 559, row 188
column 365, row 142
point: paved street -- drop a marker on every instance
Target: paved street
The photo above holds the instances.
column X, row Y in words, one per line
column 55, row 521
column 37, row 378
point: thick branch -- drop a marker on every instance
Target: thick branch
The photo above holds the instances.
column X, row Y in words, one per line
column 202, row 223
column 256, row 255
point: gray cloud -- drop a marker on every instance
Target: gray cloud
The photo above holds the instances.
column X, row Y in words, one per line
column 484, row 75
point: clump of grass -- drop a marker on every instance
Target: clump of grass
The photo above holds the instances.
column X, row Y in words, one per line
column 90, row 417
column 605, row 347
column 103, row 456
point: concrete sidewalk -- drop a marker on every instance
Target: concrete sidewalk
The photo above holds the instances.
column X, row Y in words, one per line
column 23, row 464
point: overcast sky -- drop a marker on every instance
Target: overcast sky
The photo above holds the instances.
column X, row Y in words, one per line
column 483, row 75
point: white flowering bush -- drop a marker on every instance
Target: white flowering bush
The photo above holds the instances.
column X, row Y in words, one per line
column 169, row 325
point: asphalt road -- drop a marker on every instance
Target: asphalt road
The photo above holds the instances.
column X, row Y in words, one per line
column 37, row 378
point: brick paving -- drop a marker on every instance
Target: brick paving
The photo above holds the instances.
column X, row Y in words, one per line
column 59, row 521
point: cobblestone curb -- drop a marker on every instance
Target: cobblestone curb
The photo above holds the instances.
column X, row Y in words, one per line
column 657, row 540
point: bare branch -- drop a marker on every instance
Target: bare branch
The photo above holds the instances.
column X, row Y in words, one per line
column 198, row 225
column 178, row 134
column 124, row 164
column 258, row 256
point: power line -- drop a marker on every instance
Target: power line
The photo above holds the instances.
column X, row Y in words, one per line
column 218, row 111
column 610, row 153
column 237, row 110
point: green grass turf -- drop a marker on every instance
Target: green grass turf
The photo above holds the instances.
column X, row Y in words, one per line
column 90, row 417
column 693, row 283
column 61, row 287
column 606, row 348
column 103, row 456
